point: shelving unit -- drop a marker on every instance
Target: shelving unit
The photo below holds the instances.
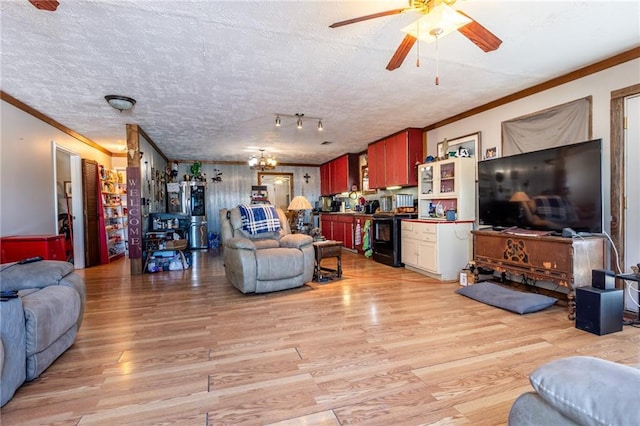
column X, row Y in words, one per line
column 447, row 185
column 114, row 204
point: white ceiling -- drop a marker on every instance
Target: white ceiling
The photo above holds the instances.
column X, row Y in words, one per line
column 209, row 76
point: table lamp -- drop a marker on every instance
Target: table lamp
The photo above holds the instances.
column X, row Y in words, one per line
column 300, row 203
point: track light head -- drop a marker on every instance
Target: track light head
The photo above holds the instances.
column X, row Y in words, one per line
column 320, row 126
column 278, row 121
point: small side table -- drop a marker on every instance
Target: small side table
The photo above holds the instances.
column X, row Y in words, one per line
column 324, row 250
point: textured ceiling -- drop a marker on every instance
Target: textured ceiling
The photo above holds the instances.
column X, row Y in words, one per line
column 209, row 76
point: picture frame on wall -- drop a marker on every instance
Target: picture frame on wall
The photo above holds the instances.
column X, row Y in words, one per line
column 470, row 142
column 490, row 153
column 441, row 153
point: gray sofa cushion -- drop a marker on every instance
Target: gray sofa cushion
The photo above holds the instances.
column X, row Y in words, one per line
column 279, row 263
column 48, row 314
column 531, row 410
column 590, row 390
column 12, row 336
column 512, row 300
column 34, row 275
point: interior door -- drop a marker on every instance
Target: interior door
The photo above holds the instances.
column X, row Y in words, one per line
column 90, row 212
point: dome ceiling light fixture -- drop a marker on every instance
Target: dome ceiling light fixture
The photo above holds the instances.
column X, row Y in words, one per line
column 263, row 163
column 299, row 117
column 121, row 103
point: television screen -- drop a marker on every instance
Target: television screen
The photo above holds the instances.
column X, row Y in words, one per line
column 546, row 190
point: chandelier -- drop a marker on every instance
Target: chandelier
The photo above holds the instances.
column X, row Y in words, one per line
column 263, row 163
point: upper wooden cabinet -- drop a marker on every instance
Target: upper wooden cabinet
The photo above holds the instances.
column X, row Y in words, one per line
column 339, row 175
column 392, row 161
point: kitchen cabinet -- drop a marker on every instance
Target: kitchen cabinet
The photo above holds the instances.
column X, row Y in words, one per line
column 338, row 227
column 339, row 175
column 114, row 196
column 392, row 161
column 447, row 185
column 436, row 248
column 376, row 165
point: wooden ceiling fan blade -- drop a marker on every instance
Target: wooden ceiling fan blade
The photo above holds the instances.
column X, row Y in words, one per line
column 367, row 17
column 403, row 50
column 479, row 35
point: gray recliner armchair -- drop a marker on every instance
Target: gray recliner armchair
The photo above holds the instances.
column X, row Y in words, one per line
column 266, row 261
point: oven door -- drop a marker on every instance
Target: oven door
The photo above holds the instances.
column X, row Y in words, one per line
column 383, row 240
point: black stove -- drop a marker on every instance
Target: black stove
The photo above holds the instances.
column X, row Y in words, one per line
column 386, row 237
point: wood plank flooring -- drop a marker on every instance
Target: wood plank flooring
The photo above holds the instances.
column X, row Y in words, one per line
column 381, row 346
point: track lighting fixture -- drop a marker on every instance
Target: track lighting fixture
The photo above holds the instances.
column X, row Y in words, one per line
column 300, row 117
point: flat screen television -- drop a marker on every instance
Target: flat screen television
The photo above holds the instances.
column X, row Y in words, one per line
column 547, row 190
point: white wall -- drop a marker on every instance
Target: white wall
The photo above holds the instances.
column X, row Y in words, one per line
column 27, row 199
column 598, row 85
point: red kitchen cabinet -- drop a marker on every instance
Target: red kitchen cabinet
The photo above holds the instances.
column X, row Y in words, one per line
column 392, row 161
column 326, row 226
column 338, row 227
column 339, row 175
column 376, row 165
column 325, row 179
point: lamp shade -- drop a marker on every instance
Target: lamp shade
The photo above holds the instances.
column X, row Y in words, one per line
column 520, row 196
column 300, row 202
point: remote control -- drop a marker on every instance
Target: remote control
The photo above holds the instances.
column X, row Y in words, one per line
column 30, row 260
column 8, row 295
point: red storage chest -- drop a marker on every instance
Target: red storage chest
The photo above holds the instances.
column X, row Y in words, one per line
column 18, row 247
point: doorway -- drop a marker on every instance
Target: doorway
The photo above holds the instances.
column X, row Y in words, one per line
column 68, row 206
column 279, row 188
column 632, row 194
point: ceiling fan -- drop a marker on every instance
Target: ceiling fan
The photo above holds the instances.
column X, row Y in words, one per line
column 439, row 19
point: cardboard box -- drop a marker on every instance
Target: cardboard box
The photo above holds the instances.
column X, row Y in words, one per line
column 466, row 278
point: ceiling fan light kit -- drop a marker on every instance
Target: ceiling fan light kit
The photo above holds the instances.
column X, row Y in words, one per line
column 121, row 103
column 438, row 20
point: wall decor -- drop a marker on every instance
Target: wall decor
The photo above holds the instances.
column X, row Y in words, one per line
column 470, row 142
column 559, row 125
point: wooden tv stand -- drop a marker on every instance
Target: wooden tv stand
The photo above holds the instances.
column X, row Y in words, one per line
column 565, row 261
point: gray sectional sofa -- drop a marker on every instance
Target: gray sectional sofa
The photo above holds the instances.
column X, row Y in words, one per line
column 41, row 323
column 580, row 390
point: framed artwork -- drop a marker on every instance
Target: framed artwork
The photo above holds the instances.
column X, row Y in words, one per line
column 440, row 150
column 67, row 188
column 490, row 153
column 470, row 142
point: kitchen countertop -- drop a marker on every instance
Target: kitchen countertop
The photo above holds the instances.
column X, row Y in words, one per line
column 435, row 220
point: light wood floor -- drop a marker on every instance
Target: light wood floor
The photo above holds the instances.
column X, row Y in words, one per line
column 382, row 346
